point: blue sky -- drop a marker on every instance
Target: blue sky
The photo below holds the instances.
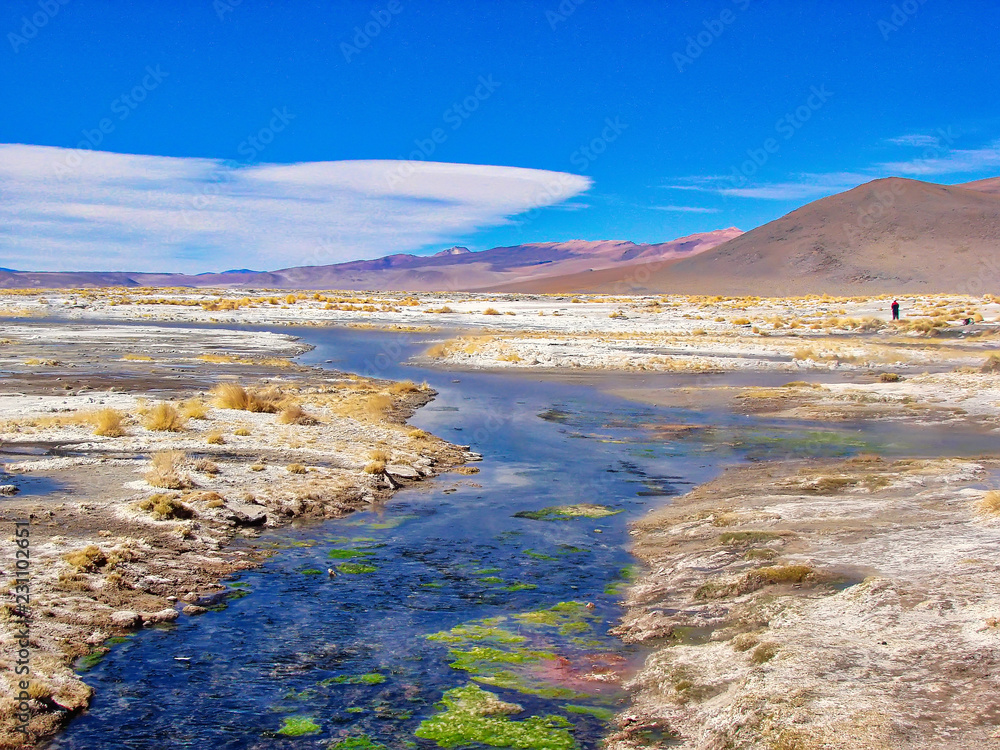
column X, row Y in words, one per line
column 626, row 120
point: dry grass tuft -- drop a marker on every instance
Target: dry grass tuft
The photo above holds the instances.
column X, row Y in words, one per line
column 295, row 414
column 215, row 438
column 296, row 469
column 137, row 358
column 889, row 377
column 194, row 408
column 235, row 396
column 165, row 471
column 163, row 417
column 242, row 431
column 86, row 560
column 494, row 311
column 404, row 386
column 375, row 467
column 109, row 423
column 990, row 504
column 165, row 507
column 206, row 466
column 991, row 365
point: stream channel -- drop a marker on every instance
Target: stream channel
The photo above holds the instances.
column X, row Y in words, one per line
column 445, row 586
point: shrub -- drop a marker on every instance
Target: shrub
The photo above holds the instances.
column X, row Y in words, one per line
column 889, row 377
column 163, row 417
column 109, row 423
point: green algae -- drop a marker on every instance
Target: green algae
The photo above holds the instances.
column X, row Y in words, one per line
column 469, row 715
column 298, row 726
column 604, row 714
column 478, row 631
column 510, row 681
column 355, row 710
column 311, row 572
column 568, row 512
column 539, row 556
column 364, row 742
column 571, row 618
column 353, row 569
column 432, row 585
column 348, row 554
column 384, row 525
column 491, row 579
column 484, row 659
column 520, row 587
column 369, row 678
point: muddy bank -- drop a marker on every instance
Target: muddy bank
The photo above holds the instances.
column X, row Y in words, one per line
column 146, row 460
column 820, row 604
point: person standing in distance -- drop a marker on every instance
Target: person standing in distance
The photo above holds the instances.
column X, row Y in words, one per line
column 895, row 310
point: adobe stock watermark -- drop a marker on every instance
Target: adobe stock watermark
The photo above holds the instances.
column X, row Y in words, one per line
column 122, row 108
column 363, row 36
column 900, row 16
column 250, row 148
column 786, row 127
column 880, row 205
column 713, row 29
column 31, row 25
column 584, row 156
column 562, row 13
column 455, row 116
column 223, row 8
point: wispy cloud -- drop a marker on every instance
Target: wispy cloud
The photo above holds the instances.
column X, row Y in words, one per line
column 686, row 209
column 916, row 140
column 68, row 210
column 956, row 161
column 938, row 159
column 799, row 187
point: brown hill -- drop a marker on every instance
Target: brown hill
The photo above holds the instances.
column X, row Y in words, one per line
column 888, row 236
column 990, row 185
column 455, row 269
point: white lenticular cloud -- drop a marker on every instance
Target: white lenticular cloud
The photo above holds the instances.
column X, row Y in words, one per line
column 68, row 210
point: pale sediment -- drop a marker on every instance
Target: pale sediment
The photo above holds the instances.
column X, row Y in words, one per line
column 821, row 604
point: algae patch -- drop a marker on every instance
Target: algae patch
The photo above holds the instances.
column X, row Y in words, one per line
column 568, row 512
column 469, row 715
column 298, row 726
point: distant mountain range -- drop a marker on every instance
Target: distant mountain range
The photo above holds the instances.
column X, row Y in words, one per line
column 454, row 269
column 888, row 236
